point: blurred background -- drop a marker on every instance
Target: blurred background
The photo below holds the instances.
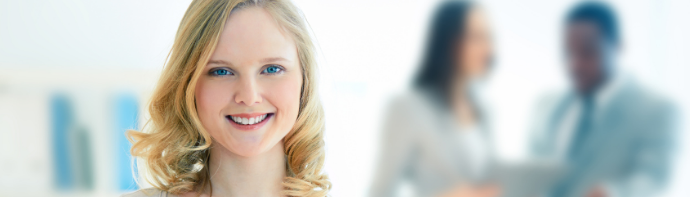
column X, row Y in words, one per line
column 74, row 74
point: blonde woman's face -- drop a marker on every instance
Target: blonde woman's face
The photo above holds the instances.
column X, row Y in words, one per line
column 249, row 93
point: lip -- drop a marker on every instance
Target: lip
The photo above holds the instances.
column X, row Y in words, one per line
column 249, row 127
column 248, row 115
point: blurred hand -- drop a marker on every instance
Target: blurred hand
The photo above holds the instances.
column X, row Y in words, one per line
column 473, row 191
column 597, row 191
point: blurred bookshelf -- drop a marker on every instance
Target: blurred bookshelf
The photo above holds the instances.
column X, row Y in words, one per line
column 62, row 130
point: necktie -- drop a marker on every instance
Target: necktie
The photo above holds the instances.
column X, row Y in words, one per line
column 580, row 134
column 582, row 129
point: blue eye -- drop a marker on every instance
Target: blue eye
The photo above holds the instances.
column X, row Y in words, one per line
column 272, row 70
column 220, row 72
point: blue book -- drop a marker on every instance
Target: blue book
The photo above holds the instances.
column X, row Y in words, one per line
column 126, row 118
column 62, row 122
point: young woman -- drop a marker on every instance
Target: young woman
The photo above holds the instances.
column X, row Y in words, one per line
column 436, row 137
column 235, row 112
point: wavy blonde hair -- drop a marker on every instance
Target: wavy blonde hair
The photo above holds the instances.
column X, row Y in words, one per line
column 172, row 149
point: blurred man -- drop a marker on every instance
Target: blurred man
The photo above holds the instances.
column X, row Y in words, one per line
column 614, row 135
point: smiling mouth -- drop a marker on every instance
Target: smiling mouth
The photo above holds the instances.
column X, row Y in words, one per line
column 249, row 120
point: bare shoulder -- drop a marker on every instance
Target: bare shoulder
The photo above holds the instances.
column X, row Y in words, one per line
column 148, row 192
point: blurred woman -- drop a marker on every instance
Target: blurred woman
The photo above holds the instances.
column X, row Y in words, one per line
column 235, row 112
column 436, row 137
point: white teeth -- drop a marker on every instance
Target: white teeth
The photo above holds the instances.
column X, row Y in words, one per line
column 249, row 121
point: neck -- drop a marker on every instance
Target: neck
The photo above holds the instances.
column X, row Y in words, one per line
column 235, row 175
column 593, row 89
column 461, row 104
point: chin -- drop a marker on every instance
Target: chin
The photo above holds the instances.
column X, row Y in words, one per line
column 251, row 148
column 250, row 143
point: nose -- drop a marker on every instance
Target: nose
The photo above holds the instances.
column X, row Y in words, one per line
column 247, row 92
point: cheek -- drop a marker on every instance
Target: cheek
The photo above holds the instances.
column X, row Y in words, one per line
column 284, row 94
column 472, row 57
column 210, row 100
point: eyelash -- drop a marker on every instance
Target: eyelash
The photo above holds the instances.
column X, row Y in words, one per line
column 215, row 71
column 280, row 69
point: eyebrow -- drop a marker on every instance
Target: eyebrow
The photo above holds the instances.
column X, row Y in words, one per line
column 263, row 61
column 218, row 62
column 273, row 59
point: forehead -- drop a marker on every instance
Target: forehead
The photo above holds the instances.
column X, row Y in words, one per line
column 583, row 30
column 476, row 17
column 251, row 34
